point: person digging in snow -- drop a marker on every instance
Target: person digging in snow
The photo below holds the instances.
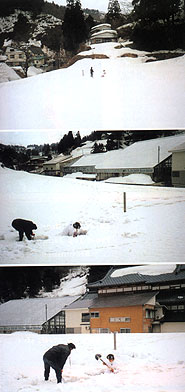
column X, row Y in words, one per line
column 24, row 226
column 73, row 230
column 56, row 358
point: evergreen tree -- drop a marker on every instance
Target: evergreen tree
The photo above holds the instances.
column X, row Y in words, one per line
column 74, row 27
column 154, row 10
column 97, row 148
column 150, row 33
column 66, row 143
column 114, row 12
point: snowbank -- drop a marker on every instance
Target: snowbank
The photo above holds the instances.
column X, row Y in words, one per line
column 132, row 179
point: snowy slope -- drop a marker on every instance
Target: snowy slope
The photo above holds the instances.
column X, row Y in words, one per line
column 132, row 95
column 152, row 229
column 145, row 362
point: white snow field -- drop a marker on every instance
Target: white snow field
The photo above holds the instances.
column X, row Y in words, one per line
column 151, row 230
column 132, row 94
column 145, row 363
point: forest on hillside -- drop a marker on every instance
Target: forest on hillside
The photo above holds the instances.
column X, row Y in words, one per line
column 26, row 282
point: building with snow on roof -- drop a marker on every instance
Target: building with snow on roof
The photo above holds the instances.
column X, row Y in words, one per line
column 103, row 33
column 178, row 165
column 55, row 166
column 152, row 158
column 139, row 299
column 41, row 315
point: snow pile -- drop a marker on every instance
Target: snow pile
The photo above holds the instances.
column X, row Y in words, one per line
column 32, row 71
column 7, row 74
column 132, row 179
column 131, row 95
column 147, row 362
column 151, row 230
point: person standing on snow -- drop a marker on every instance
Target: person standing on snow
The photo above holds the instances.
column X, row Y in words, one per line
column 91, row 72
column 56, row 358
column 74, row 229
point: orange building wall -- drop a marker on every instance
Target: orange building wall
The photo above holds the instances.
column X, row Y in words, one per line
column 137, row 324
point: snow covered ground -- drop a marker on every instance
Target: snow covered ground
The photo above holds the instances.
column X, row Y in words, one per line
column 132, row 94
column 145, row 362
column 152, row 229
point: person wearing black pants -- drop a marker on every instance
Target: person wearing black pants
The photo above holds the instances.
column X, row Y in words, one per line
column 56, row 358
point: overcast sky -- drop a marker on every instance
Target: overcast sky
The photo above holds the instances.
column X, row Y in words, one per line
column 101, row 5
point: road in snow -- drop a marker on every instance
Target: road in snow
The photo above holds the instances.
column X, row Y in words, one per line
column 145, row 362
column 152, row 229
column 132, row 95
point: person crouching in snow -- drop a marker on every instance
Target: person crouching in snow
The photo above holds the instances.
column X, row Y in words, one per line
column 73, row 230
column 56, row 358
column 111, row 365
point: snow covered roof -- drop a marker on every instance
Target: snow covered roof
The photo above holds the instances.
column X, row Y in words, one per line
column 59, row 158
column 180, row 147
column 7, row 74
column 85, row 302
column 101, row 26
column 122, row 300
column 32, row 311
column 142, row 154
column 104, row 33
column 147, row 274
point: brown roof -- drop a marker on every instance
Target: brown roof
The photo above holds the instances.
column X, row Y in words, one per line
column 120, row 300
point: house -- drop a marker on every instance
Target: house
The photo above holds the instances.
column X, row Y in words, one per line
column 103, row 33
column 151, row 157
column 37, row 56
column 78, row 316
column 178, row 165
column 41, row 315
column 15, row 57
column 123, row 313
column 56, row 166
column 134, row 300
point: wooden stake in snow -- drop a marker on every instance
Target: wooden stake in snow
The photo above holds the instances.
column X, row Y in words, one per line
column 124, row 202
column 114, row 340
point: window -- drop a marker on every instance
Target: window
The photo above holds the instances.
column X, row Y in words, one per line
column 104, row 330
column 119, row 319
column 95, row 314
column 149, row 313
column 85, row 317
column 12, row 56
column 125, row 330
column 175, row 173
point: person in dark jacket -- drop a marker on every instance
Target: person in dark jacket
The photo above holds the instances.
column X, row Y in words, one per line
column 56, row 358
column 24, row 226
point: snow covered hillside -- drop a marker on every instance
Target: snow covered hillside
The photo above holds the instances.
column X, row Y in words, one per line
column 152, row 229
column 130, row 94
column 144, row 362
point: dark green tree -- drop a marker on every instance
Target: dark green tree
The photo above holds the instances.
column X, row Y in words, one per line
column 98, row 148
column 74, row 27
column 113, row 15
column 153, row 10
column 66, row 144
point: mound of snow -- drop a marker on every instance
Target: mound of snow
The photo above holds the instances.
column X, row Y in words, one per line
column 132, row 179
column 7, row 74
column 32, row 71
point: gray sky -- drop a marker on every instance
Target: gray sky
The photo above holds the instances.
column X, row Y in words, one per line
column 100, row 5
